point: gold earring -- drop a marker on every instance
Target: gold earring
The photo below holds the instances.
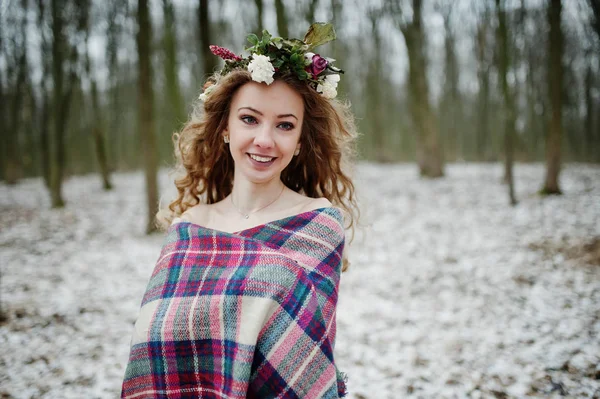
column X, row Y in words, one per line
column 226, row 138
column 297, row 152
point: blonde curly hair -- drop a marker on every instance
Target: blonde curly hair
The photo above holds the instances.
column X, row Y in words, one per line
column 328, row 140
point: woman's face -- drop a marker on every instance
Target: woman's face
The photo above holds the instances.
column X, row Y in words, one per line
column 264, row 128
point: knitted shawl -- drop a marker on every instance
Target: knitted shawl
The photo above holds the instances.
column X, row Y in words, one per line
column 249, row 314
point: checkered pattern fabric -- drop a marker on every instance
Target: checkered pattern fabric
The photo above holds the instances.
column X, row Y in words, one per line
column 249, row 314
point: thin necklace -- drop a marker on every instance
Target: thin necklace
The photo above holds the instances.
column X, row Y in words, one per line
column 247, row 215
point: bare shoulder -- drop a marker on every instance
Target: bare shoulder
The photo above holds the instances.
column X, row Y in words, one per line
column 316, row 203
column 197, row 214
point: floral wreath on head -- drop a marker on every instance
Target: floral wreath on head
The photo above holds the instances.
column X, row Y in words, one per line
column 270, row 55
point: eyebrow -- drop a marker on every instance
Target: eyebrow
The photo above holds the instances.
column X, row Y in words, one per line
column 261, row 114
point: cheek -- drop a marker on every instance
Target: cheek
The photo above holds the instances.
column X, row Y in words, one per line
column 298, row 138
column 238, row 133
column 292, row 142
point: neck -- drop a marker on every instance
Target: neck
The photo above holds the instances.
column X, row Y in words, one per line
column 248, row 197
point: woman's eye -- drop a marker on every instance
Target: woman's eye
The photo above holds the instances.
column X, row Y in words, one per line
column 250, row 120
column 286, row 126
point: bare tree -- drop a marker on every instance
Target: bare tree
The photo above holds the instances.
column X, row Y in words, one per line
column 3, row 100
column 116, row 12
column 336, row 10
column 208, row 59
column 374, row 110
column 259, row 15
column 429, row 156
column 532, row 87
column 310, row 12
column 64, row 76
column 176, row 109
column 282, row 20
column 451, row 102
column 595, row 6
column 590, row 141
column 146, row 112
column 509, row 102
column 97, row 122
column 44, row 122
column 483, row 76
column 555, row 79
column 18, row 67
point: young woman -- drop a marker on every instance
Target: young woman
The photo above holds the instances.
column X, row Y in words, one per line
column 241, row 303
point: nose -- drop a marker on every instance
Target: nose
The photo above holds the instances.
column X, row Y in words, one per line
column 264, row 137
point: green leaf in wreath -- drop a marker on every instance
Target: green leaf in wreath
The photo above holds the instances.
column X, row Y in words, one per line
column 278, row 42
column 272, row 55
column 302, row 74
column 252, row 38
column 266, row 37
column 319, row 33
column 295, row 45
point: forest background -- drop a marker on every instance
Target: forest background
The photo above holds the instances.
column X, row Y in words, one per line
column 100, row 86
column 451, row 291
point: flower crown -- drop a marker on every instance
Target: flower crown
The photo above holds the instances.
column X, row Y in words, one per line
column 270, row 55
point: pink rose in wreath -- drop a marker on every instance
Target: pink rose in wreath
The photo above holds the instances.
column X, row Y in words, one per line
column 317, row 66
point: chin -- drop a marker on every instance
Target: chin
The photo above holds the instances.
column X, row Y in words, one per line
column 261, row 179
column 256, row 176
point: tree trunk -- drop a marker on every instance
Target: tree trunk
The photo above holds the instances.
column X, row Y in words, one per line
column 429, row 157
column 97, row 122
column 62, row 95
column 3, row 100
column 57, row 142
column 450, row 126
column 13, row 169
column 259, row 15
column 595, row 6
column 45, row 137
column 282, row 21
column 555, row 77
column 99, row 141
column 532, row 118
column 146, row 112
column 374, row 108
column 45, row 100
column 310, row 14
column 336, row 15
column 484, row 91
column 590, row 143
column 209, row 60
column 12, row 165
column 116, row 132
column 176, row 109
column 509, row 104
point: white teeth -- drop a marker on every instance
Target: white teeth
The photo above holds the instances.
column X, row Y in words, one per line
column 260, row 159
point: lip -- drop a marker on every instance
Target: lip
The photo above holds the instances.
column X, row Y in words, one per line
column 261, row 165
column 261, row 155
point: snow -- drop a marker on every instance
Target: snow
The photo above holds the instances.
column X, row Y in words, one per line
column 451, row 293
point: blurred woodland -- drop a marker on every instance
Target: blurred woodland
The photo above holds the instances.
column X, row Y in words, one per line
column 90, row 86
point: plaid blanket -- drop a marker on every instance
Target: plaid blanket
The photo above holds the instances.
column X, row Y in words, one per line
column 249, row 314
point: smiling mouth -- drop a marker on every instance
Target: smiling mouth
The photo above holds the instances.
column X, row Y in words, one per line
column 259, row 158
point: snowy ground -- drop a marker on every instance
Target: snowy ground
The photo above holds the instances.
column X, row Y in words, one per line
column 451, row 293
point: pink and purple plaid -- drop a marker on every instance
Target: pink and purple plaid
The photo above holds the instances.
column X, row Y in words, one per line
column 241, row 315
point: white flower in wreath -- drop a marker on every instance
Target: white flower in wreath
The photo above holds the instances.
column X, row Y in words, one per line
column 327, row 90
column 261, row 69
column 328, row 86
column 206, row 93
column 333, row 79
